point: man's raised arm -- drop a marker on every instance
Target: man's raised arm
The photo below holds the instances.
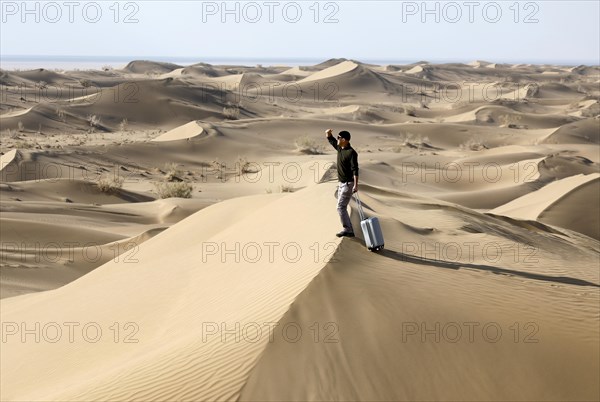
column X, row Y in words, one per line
column 332, row 141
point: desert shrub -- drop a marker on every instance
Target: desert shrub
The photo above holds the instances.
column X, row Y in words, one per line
column 473, row 144
column 24, row 144
column 174, row 190
column 93, row 121
column 172, row 172
column 110, row 185
column 61, row 114
column 411, row 140
column 309, row 146
column 218, row 168
column 231, row 112
column 509, row 119
column 246, row 167
column 284, row 188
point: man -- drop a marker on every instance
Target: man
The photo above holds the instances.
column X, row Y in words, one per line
column 347, row 167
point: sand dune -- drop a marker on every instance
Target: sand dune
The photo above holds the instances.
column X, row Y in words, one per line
column 530, row 206
column 507, row 117
column 146, row 67
column 487, row 288
column 204, row 70
column 63, row 243
column 69, row 190
column 189, row 130
column 39, row 75
column 528, row 91
column 194, row 365
column 9, row 79
column 265, row 301
column 296, row 71
column 9, row 158
column 584, row 131
column 479, row 63
column 414, row 70
column 349, row 76
column 331, row 72
column 566, row 212
column 586, row 108
column 352, row 329
column 15, row 113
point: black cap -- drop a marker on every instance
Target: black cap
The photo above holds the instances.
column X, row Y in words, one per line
column 345, row 135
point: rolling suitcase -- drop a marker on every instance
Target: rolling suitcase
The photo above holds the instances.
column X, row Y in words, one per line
column 370, row 228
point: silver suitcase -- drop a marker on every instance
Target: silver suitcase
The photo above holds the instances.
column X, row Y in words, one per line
column 370, row 228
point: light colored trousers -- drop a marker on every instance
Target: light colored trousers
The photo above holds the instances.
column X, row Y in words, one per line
column 344, row 197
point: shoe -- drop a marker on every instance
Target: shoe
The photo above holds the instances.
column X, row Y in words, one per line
column 343, row 233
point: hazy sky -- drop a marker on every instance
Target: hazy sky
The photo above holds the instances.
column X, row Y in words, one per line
column 525, row 31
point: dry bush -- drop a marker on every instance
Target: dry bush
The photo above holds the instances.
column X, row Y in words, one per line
column 231, row 112
column 244, row 166
column 411, row 140
column 473, row 144
column 110, row 185
column 123, row 125
column 508, row 120
column 174, row 190
column 93, row 121
column 61, row 114
column 24, row 144
column 308, row 146
column 172, row 172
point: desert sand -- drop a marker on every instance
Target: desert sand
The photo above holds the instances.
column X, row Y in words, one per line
column 168, row 233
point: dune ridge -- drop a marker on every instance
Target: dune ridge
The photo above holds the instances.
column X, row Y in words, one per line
column 264, row 303
column 530, row 206
column 187, row 131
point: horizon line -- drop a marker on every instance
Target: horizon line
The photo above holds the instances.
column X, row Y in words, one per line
column 27, row 57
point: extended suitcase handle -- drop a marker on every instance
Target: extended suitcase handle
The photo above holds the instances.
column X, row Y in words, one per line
column 361, row 213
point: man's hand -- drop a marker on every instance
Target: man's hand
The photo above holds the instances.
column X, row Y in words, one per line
column 355, row 188
column 329, row 132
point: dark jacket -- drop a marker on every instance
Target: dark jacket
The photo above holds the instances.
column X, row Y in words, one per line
column 347, row 161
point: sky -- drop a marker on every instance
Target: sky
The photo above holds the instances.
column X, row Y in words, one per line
column 565, row 32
